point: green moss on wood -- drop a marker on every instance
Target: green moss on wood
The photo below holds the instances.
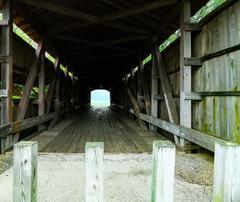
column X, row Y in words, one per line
column 236, row 132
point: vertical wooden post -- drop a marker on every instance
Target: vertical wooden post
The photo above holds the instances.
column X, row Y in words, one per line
column 226, row 185
column 57, row 97
column 145, row 88
column 139, row 89
column 167, row 91
column 25, row 172
column 185, row 71
column 6, row 70
column 52, row 86
column 94, row 171
column 163, row 171
column 154, row 91
column 41, row 87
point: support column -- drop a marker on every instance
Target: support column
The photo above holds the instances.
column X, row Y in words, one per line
column 41, row 89
column 145, row 88
column 57, row 97
column 51, row 87
column 154, row 91
column 6, row 70
column 185, row 71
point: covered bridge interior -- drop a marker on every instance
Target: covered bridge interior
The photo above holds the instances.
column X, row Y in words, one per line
column 187, row 91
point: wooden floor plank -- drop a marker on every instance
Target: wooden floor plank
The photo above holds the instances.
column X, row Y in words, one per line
column 119, row 133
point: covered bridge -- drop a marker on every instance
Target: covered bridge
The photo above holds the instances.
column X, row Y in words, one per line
column 188, row 92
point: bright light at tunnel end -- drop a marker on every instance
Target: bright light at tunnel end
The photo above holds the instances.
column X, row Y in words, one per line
column 100, row 98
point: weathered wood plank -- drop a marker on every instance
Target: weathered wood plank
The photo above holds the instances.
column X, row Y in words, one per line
column 226, row 185
column 25, row 172
column 136, row 107
column 41, row 89
column 197, row 137
column 154, row 91
column 185, row 71
column 6, row 70
column 52, row 86
column 145, row 88
column 23, row 104
column 167, row 92
column 163, row 166
column 94, row 171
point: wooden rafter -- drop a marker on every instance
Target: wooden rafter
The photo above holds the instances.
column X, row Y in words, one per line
column 91, row 19
column 91, row 43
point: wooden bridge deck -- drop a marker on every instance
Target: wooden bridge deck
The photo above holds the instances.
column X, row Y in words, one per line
column 119, row 133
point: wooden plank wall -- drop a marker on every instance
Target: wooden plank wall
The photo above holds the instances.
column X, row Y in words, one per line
column 214, row 115
column 219, row 115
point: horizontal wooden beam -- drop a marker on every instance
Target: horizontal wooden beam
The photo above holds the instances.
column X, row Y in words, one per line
column 61, row 10
column 91, row 43
column 4, row 22
column 200, row 95
column 18, row 126
column 93, row 19
column 192, row 96
column 197, row 137
column 221, row 52
column 193, row 27
column 137, row 10
column 5, row 58
column 3, row 93
column 192, row 61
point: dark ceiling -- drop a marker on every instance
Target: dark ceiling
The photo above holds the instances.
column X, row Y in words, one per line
column 100, row 39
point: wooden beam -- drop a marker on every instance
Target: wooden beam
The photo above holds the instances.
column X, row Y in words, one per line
column 94, row 171
column 167, row 91
column 25, row 171
column 146, row 94
column 93, row 19
column 192, row 61
column 52, row 86
column 185, row 71
column 6, row 69
column 133, row 11
column 41, row 89
column 154, row 91
column 72, row 26
column 136, row 107
column 124, row 40
column 226, row 185
column 61, row 10
column 163, row 168
column 57, row 98
column 23, row 104
column 197, row 137
column 193, row 27
column 91, row 43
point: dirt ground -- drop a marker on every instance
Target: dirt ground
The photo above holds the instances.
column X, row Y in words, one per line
column 127, row 178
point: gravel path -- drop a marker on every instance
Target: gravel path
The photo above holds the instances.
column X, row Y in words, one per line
column 127, row 178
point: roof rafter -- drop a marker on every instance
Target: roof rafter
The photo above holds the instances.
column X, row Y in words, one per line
column 91, row 19
column 91, row 43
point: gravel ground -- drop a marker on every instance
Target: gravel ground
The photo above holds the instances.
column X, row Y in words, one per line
column 127, row 178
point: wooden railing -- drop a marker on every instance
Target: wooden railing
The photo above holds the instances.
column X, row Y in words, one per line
column 197, row 137
column 226, row 186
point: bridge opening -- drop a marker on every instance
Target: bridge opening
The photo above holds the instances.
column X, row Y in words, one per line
column 100, row 98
